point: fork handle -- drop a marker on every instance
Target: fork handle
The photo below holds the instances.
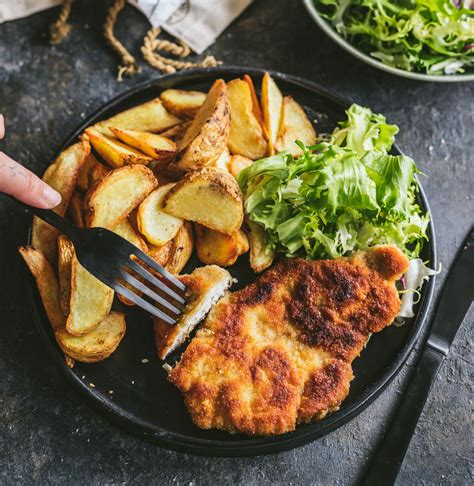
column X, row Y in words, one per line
column 50, row 217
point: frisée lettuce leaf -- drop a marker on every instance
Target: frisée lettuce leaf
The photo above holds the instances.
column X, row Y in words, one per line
column 339, row 196
column 428, row 36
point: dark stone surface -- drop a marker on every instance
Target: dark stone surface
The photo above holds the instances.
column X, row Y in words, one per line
column 47, row 434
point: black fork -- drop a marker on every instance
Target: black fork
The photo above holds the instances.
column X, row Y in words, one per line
column 115, row 261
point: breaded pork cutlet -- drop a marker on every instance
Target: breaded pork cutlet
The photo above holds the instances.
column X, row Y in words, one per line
column 279, row 352
column 205, row 286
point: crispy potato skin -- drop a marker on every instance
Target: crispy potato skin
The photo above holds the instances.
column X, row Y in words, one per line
column 272, row 102
column 137, row 177
column 76, row 210
column 46, row 282
column 226, row 199
column 97, row 173
column 83, row 178
column 62, row 175
column 98, row 344
column 114, row 152
column 279, row 352
column 207, row 135
column 156, row 146
column 181, row 249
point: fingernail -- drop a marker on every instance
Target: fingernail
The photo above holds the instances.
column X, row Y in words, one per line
column 51, row 197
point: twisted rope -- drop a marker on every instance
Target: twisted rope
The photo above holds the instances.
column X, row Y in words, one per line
column 151, row 43
column 129, row 66
column 60, row 28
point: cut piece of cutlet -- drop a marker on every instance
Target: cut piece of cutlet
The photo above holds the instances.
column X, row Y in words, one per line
column 205, row 286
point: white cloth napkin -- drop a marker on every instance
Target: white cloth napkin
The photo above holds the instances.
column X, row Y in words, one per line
column 17, row 9
column 198, row 23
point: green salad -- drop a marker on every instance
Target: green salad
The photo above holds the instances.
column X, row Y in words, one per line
column 428, row 36
column 342, row 195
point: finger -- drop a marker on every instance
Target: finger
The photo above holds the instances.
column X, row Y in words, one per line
column 2, row 126
column 25, row 186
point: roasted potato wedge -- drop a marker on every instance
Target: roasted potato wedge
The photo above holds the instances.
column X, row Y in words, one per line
column 238, row 163
column 112, row 199
column 260, row 257
column 183, row 104
column 207, row 135
column 257, row 111
column 90, row 302
column 177, row 132
column 154, row 224
column 65, row 257
column 114, row 152
column 181, row 249
column 62, row 175
column 214, row 248
column 94, row 346
column 207, row 196
column 47, row 284
column 76, row 210
column 294, row 125
column 97, row 344
column 148, row 117
column 156, row 146
column 222, row 163
column 132, row 218
column 272, row 104
column 97, row 173
column 83, row 179
column 246, row 133
column 161, row 254
column 126, row 230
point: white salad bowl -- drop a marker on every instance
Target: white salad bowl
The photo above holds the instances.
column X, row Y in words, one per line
column 328, row 30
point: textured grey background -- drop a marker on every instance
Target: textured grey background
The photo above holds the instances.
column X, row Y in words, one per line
column 47, row 435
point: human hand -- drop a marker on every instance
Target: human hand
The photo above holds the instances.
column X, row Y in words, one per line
column 22, row 184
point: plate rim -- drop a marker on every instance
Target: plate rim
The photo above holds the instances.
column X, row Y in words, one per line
column 228, row 448
column 348, row 47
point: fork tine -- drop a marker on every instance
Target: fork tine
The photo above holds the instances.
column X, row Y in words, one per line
column 154, row 281
column 153, row 295
column 143, row 303
column 158, row 268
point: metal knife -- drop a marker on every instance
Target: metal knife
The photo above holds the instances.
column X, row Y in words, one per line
column 453, row 305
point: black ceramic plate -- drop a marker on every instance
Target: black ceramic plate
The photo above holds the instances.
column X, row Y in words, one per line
column 136, row 394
